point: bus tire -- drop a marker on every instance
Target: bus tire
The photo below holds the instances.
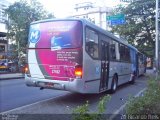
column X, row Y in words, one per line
column 133, row 78
column 114, row 84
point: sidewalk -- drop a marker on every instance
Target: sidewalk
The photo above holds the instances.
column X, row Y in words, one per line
column 8, row 76
column 151, row 73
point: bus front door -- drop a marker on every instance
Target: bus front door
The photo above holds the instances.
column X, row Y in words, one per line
column 104, row 66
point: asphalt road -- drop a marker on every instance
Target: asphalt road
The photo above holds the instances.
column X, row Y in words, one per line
column 14, row 93
column 16, row 97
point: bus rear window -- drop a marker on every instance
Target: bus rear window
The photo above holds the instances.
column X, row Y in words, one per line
column 56, row 34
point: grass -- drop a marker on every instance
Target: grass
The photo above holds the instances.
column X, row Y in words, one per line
column 83, row 113
column 149, row 102
column 146, row 104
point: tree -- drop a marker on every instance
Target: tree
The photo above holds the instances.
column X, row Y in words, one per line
column 21, row 14
column 139, row 28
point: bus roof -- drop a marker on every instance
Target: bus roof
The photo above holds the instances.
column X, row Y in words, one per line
column 90, row 24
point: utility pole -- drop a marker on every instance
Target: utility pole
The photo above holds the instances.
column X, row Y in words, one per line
column 157, row 37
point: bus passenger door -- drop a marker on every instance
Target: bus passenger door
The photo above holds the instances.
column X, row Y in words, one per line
column 104, row 65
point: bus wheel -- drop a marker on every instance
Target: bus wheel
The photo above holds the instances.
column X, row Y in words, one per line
column 132, row 81
column 114, row 84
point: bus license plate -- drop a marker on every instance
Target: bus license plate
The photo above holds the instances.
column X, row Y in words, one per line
column 48, row 84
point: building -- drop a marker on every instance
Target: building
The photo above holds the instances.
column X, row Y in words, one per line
column 98, row 11
column 3, row 29
column 95, row 14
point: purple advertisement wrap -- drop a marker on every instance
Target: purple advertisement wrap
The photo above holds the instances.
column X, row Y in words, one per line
column 58, row 48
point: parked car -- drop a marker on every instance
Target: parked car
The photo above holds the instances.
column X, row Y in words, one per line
column 4, row 65
column 8, row 65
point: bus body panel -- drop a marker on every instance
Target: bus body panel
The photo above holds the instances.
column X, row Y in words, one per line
column 123, row 70
column 59, row 65
column 91, row 76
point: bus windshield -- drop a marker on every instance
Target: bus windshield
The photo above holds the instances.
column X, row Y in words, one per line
column 56, row 35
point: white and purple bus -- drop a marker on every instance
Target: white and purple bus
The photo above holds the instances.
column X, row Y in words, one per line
column 78, row 56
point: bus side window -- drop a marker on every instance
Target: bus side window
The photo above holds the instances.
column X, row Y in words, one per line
column 112, row 51
column 117, row 51
column 124, row 53
column 92, row 43
column 127, row 54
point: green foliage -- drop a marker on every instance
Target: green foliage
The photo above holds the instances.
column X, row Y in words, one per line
column 82, row 112
column 149, row 102
column 102, row 104
column 139, row 29
column 21, row 14
column 82, row 109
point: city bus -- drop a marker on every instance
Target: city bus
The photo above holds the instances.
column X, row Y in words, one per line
column 78, row 56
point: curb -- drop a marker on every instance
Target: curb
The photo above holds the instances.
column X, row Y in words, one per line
column 11, row 78
column 9, row 73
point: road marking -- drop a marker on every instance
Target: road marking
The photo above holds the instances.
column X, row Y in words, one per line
column 123, row 106
column 19, row 108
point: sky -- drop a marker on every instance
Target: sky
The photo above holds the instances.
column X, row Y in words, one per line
column 63, row 8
